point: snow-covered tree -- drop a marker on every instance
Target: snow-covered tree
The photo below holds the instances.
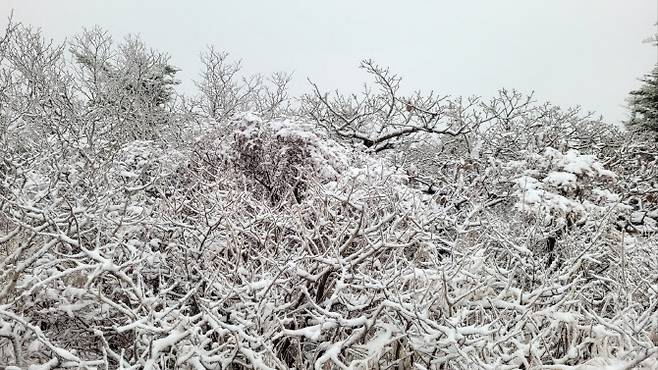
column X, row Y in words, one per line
column 129, row 85
column 644, row 103
column 225, row 91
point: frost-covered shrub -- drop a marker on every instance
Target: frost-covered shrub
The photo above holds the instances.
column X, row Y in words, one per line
column 373, row 232
column 174, row 263
column 557, row 187
column 278, row 165
column 280, row 160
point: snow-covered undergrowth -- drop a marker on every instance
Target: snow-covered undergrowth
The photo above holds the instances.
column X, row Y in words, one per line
column 270, row 244
column 241, row 228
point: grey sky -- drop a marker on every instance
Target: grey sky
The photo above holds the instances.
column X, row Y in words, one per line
column 571, row 52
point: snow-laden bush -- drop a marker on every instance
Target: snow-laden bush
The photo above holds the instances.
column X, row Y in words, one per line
column 556, row 187
column 177, row 263
column 373, row 231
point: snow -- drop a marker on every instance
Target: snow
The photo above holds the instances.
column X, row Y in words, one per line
column 261, row 284
column 170, row 340
column 249, row 117
column 581, row 164
column 601, row 363
column 606, row 195
column 567, row 317
column 311, row 332
column 128, row 174
column 562, row 180
column 378, row 344
column 52, row 364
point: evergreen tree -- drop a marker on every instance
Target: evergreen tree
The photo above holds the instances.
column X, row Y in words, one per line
column 643, row 102
column 130, row 82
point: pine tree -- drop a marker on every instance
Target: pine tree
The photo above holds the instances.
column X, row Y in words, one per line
column 644, row 103
column 130, row 82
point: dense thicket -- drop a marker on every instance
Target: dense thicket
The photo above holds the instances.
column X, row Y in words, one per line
column 244, row 228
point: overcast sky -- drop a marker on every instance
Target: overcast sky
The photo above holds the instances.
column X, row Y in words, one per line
column 571, row 52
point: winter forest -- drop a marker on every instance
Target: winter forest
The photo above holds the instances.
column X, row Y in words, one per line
column 244, row 227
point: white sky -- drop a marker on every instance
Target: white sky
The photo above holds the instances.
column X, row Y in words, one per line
column 571, row 52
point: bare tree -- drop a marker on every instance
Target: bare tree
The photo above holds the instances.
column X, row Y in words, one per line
column 381, row 119
column 226, row 92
